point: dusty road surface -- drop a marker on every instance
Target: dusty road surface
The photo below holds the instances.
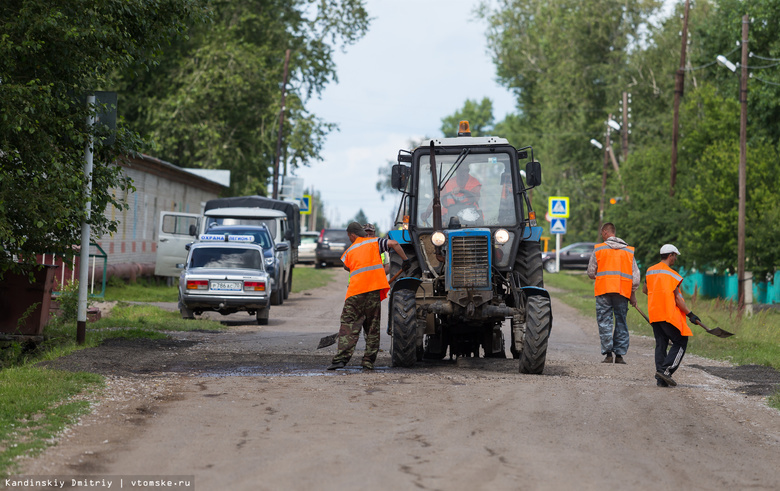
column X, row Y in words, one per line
column 254, row 409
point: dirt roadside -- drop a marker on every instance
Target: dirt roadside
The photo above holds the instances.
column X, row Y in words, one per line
column 254, row 408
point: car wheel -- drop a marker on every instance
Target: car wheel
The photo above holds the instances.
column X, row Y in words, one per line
column 185, row 312
column 549, row 266
column 262, row 316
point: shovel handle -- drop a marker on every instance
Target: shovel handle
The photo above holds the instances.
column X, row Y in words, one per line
column 395, row 276
column 643, row 314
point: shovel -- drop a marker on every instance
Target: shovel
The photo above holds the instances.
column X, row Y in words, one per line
column 715, row 332
column 331, row 339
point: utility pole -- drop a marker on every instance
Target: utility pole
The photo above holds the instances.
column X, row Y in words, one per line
column 625, row 128
column 679, row 87
column 86, row 230
column 604, row 176
column 742, row 171
column 281, row 125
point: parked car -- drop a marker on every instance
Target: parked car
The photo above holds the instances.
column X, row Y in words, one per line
column 330, row 246
column 306, row 251
column 225, row 277
column 271, row 252
column 573, row 256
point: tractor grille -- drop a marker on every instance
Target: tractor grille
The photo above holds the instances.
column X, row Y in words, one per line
column 470, row 262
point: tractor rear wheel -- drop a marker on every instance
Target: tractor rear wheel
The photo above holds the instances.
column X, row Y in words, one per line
column 403, row 348
column 538, row 322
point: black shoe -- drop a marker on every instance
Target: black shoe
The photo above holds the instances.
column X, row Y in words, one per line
column 608, row 358
column 337, row 364
column 666, row 378
column 619, row 359
column 661, row 383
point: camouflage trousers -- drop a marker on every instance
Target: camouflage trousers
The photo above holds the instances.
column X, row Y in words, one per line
column 361, row 311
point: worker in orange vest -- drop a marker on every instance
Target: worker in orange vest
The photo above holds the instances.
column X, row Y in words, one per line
column 367, row 288
column 461, row 193
column 617, row 277
column 667, row 311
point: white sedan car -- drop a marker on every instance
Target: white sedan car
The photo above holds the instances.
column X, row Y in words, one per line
column 225, row 277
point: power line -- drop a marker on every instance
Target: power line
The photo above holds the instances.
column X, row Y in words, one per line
column 766, row 81
column 753, row 55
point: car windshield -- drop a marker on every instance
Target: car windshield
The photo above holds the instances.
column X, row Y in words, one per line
column 270, row 223
column 226, row 258
column 308, row 239
column 478, row 191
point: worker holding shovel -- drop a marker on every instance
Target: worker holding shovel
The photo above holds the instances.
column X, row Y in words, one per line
column 667, row 312
column 367, row 288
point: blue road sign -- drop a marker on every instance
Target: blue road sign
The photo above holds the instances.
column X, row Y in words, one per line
column 558, row 226
column 305, row 205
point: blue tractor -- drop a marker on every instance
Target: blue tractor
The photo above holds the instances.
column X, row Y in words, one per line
column 466, row 223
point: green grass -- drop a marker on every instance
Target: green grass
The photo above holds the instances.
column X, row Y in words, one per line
column 35, row 405
column 310, row 278
column 141, row 291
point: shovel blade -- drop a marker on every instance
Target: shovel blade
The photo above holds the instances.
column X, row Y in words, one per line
column 720, row 332
column 328, row 341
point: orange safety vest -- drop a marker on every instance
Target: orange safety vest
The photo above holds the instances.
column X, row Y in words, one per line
column 662, row 281
column 615, row 273
column 473, row 186
column 366, row 272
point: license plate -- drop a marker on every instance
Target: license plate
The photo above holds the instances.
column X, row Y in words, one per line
column 225, row 286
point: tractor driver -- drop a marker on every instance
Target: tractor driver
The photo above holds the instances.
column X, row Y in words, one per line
column 461, row 192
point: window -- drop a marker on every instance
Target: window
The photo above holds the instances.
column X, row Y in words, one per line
column 478, row 191
column 227, row 258
column 178, row 225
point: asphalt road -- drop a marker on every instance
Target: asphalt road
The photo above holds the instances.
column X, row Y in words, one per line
column 254, row 408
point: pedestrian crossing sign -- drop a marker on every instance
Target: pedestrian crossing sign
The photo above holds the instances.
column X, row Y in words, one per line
column 558, row 226
column 305, row 207
column 558, row 206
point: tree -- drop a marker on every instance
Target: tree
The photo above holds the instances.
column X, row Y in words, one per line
column 384, row 184
column 360, row 217
column 478, row 114
column 214, row 101
column 51, row 56
column 567, row 64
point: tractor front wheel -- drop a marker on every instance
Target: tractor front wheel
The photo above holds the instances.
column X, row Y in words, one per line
column 538, row 323
column 403, row 350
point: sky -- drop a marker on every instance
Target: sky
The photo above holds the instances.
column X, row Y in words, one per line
column 418, row 63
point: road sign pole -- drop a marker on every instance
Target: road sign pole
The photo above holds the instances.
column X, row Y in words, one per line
column 557, row 252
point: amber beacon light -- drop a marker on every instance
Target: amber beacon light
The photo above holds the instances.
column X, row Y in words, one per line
column 464, row 129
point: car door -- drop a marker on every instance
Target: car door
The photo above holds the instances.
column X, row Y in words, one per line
column 175, row 231
column 579, row 256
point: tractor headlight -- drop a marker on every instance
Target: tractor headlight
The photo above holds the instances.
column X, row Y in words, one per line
column 502, row 236
column 437, row 238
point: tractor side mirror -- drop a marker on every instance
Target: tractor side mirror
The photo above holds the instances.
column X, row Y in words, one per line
column 193, row 230
column 533, row 174
column 400, row 176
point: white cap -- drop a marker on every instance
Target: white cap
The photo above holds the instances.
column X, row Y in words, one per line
column 669, row 248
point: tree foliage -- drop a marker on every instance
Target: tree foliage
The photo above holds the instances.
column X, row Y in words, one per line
column 51, row 55
column 214, row 101
column 568, row 64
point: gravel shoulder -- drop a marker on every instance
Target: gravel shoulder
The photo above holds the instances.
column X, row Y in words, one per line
column 254, row 408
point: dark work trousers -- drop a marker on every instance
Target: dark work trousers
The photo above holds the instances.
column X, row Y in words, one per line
column 668, row 362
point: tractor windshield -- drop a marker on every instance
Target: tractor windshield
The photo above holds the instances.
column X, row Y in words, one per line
column 476, row 193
